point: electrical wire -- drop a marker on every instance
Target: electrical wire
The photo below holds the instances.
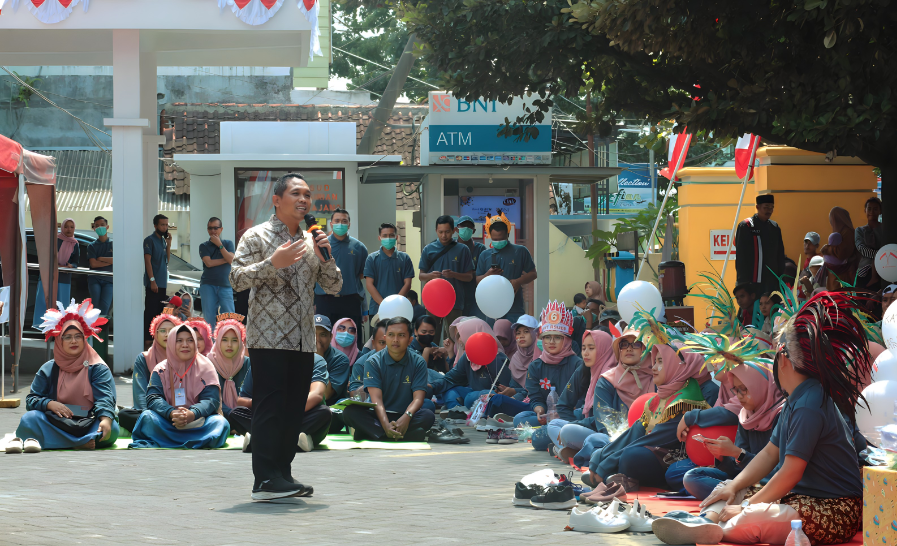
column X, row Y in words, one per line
column 382, row 66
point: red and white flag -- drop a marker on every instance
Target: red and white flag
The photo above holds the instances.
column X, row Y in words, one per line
column 745, row 154
column 676, row 156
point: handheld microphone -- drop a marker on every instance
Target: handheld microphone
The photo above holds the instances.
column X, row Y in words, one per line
column 311, row 223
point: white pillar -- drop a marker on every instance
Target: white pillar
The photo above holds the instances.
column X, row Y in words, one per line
column 152, row 139
column 540, row 243
column 228, row 205
column 127, row 198
column 431, row 206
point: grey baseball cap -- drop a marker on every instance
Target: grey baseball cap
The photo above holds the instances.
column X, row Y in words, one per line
column 812, row 236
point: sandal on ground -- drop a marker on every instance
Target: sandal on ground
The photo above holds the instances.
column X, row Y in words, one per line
column 32, row 446
column 15, row 445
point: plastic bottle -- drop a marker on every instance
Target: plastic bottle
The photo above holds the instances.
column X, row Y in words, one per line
column 552, row 401
column 797, row 536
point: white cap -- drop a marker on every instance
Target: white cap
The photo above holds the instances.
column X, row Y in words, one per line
column 816, row 261
column 525, row 320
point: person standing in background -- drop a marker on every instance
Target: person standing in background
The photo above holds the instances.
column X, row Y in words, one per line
column 759, row 250
column 99, row 254
column 350, row 255
column 868, row 240
column 465, row 231
column 511, row 261
column 214, row 285
column 387, row 271
column 445, row 259
column 68, row 253
column 156, row 253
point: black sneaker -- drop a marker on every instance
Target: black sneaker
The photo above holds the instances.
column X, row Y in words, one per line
column 309, row 490
column 277, row 489
column 524, row 493
column 555, row 497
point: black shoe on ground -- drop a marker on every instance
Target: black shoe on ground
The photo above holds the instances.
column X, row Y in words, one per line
column 278, row 489
column 555, row 497
column 523, row 494
column 445, row 437
column 309, row 490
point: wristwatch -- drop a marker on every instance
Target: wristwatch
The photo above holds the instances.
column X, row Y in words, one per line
column 152, row 279
column 745, row 503
column 741, row 456
column 409, row 414
column 220, row 247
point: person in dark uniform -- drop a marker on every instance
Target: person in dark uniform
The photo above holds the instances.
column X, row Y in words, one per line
column 466, row 230
column 759, row 249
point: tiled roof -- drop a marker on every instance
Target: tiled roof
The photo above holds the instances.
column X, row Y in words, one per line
column 84, row 183
column 194, row 129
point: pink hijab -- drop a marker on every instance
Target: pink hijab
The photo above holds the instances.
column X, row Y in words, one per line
column 727, row 398
column 459, row 346
column 68, row 245
column 566, row 350
column 194, row 376
column 677, row 371
column 228, row 368
column 763, row 391
column 352, row 350
column 604, row 361
column 523, row 357
column 200, row 324
column 503, row 328
column 471, row 327
column 155, row 353
column 73, row 386
column 630, row 381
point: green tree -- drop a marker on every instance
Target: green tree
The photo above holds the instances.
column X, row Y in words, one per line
column 814, row 74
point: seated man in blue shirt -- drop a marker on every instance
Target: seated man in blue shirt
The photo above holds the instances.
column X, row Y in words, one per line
column 513, row 262
column 396, row 380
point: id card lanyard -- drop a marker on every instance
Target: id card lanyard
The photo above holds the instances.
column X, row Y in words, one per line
column 181, row 382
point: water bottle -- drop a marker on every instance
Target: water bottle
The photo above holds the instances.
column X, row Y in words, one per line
column 552, row 405
column 797, row 536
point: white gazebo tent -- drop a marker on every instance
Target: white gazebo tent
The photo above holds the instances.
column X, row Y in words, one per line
column 135, row 38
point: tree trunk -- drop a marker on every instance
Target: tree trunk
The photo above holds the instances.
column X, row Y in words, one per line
column 889, row 203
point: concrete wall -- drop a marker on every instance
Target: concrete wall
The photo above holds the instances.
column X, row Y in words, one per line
column 568, row 268
column 412, row 243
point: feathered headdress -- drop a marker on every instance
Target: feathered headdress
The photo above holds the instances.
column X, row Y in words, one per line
column 231, row 320
column 826, row 340
column 556, row 318
column 723, row 309
column 723, row 354
column 652, row 332
column 85, row 314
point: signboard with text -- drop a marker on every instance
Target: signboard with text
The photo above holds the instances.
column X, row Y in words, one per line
column 720, row 240
column 634, row 189
column 466, row 133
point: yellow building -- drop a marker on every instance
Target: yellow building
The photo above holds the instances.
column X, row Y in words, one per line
column 805, row 187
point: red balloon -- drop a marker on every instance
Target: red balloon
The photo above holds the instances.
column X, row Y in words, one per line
column 638, row 407
column 439, row 297
column 697, row 451
column 481, row 349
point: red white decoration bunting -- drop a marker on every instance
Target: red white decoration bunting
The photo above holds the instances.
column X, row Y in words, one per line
column 745, row 154
column 252, row 12
column 311, row 8
column 51, row 11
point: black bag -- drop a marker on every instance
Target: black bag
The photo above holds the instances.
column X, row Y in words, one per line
column 440, row 254
column 76, row 426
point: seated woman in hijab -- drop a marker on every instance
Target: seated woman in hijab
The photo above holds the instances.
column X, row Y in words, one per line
column 184, row 398
column 504, row 333
column 203, row 334
column 509, row 399
column 760, row 404
column 145, row 362
column 75, row 386
column 631, row 460
column 567, row 433
column 233, row 368
column 468, row 381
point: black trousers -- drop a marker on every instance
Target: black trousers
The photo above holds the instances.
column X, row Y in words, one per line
column 366, row 424
column 127, row 418
column 337, row 308
column 280, row 380
column 153, row 304
column 315, row 423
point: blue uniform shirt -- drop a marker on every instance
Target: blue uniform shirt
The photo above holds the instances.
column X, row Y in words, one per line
column 356, row 378
column 389, row 274
column 97, row 250
column 338, row 368
column 155, row 246
column 350, row 255
column 220, row 274
column 457, row 259
column 398, row 380
column 470, row 288
column 514, row 260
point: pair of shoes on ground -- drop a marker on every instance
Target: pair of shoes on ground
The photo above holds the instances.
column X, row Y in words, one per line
column 458, row 412
column 611, row 517
column 486, row 424
column 502, row 436
column 550, row 497
column 680, row 527
column 16, row 445
column 280, row 488
column 604, row 493
column 439, row 433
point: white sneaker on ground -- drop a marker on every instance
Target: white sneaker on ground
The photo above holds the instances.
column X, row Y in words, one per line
column 639, row 518
column 32, row 446
column 15, row 445
column 246, row 441
column 305, row 443
column 596, row 520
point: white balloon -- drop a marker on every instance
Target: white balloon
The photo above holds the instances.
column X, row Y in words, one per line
column 638, row 296
column 495, row 296
column 396, row 306
column 889, row 327
column 880, row 396
column 885, row 367
column 886, row 262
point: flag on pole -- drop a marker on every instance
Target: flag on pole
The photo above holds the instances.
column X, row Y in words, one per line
column 745, row 154
column 676, row 156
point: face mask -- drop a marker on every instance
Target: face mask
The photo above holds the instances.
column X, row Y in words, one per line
column 388, row 244
column 425, row 340
column 465, row 233
column 345, row 339
column 498, row 245
column 101, row 231
column 340, row 229
column 539, row 344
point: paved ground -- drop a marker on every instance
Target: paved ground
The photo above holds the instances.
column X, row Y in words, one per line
column 450, row 495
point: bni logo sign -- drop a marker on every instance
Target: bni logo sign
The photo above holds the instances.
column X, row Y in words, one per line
column 442, row 102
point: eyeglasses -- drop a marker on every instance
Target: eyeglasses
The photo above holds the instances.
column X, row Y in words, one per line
column 743, row 391
column 637, row 345
column 73, row 337
column 553, row 339
column 213, row 228
column 350, row 329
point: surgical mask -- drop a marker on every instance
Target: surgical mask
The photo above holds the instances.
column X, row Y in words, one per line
column 539, row 344
column 101, row 231
column 388, row 243
column 425, row 340
column 340, row 229
column 345, row 339
column 465, row 233
column 498, row 245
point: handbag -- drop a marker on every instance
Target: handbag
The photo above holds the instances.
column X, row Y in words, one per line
column 666, row 457
column 76, row 426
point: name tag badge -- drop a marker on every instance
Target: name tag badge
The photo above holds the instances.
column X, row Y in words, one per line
column 180, row 397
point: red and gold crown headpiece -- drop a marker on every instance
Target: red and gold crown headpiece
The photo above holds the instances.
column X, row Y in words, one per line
column 556, row 318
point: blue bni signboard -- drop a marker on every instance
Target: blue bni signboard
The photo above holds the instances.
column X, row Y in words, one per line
column 466, row 133
column 635, row 191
